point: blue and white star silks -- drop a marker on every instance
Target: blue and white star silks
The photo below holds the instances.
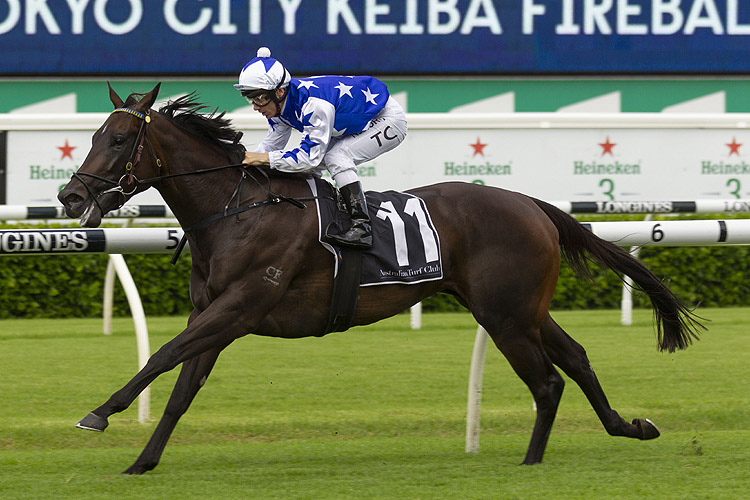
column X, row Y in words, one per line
column 306, row 84
column 321, row 107
column 344, row 89
column 369, row 96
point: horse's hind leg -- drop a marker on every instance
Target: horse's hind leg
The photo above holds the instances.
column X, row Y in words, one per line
column 522, row 347
column 571, row 357
column 192, row 377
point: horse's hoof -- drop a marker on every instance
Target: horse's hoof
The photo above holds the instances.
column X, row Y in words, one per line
column 93, row 422
column 135, row 470
column 647, row 428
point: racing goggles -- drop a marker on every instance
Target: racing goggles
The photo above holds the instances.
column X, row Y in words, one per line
column 258, row 99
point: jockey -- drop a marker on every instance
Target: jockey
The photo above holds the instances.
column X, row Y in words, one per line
column 344, row 120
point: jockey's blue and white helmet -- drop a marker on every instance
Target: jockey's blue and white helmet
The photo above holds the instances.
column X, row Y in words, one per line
column 262, row 74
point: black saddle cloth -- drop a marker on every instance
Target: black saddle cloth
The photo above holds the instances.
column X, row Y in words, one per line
column 406, row 246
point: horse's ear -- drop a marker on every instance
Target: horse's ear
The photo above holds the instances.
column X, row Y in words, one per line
column 114, row 97
column 149, row 99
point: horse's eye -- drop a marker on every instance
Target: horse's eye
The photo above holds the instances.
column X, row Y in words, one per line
column 118, row 140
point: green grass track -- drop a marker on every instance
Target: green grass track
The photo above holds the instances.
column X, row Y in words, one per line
column 378, row 412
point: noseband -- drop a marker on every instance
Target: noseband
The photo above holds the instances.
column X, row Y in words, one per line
column 135, row 157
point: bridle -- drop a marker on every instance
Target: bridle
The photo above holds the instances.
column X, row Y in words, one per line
column 135, row 157
column 129, row 176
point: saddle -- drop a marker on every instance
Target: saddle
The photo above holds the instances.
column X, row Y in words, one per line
column 405, row 250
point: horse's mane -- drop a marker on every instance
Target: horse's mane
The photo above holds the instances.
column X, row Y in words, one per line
column 187, row 113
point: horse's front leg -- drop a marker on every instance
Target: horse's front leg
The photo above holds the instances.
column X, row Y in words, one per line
column 223, row 321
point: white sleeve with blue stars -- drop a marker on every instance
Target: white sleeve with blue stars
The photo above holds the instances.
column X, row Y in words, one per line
column 317, row 119
column 276, row 138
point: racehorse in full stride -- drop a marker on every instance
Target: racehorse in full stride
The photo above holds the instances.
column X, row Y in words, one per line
column 502, row 266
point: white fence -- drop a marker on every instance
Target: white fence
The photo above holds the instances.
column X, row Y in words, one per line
column 106, row 240
column 23, row 212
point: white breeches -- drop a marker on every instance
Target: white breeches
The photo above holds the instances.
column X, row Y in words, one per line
column 386, row 131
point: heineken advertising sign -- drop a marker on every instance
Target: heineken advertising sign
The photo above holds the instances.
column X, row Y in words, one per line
column 598, row 165
column 589, row 164
column 617, row 164
column 407, row 37
column 41, row 163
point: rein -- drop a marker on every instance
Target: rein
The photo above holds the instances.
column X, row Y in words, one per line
column 273, row 198
column 135, row 157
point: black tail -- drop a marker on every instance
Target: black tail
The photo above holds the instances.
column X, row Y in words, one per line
column 676, row 325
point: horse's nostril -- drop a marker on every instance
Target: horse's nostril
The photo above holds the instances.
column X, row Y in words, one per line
column 73, row 199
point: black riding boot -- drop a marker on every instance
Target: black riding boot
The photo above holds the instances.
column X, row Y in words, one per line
column 359, row 234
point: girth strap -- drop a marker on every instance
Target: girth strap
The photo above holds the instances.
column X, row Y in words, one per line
column 345, row 290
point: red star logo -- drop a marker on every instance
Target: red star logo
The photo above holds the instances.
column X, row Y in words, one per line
column 478, row 148
column 734, row 147
column 607, row 147
column 67, row 150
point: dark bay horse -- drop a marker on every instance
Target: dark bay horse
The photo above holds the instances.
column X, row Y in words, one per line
column 501, row 257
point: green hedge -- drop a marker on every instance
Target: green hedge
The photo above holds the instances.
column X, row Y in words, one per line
column 71, row 285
